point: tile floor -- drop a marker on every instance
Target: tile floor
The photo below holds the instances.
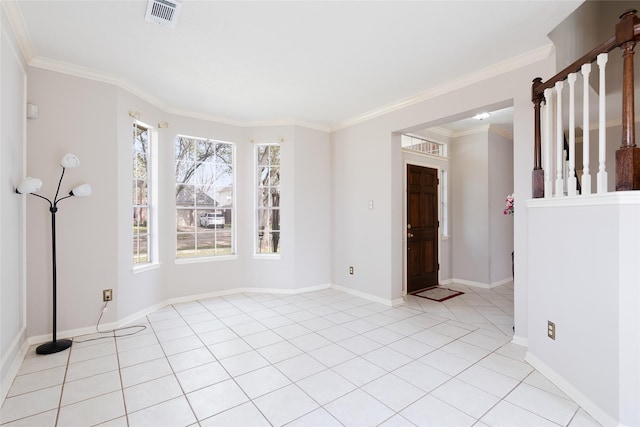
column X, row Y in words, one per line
column 322, row 358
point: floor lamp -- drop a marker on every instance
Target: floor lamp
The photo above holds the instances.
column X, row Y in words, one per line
column 30, row 186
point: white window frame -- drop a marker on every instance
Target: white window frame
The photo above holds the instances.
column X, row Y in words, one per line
column 444, row 203
column 152, row 195
column 256, row 231
column 233, row 230
column 408, row 140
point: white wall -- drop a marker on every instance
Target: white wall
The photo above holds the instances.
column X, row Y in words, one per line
column 482, row 164
column 588, row 286
column 361, row 162
column 500, row 226
column 12, row 158
column 312, row 226
column 470, row 207
column 571, row 38
column 75, row 116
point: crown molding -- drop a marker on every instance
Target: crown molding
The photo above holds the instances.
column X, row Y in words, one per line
column 475, row 130
column 100, row 76
column 611, row 123
column 501, row 132
column 19, row 28
column 497, row 130
column 96, row 75
column 439, row 130
column 508, row 65
column 287, row 122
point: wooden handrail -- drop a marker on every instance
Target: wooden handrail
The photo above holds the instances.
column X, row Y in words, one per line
column 627, row 34
column 587, row 58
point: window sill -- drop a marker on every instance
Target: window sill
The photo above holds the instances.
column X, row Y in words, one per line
column 267, row 256
column 146, row 267
column 196, row 260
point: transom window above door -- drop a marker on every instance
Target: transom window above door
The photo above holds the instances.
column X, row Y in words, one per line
column 424, row 146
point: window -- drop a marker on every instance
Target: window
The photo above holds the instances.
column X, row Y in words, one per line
column 267, row 199
column 142, row 242
column 204, row 197
column 421, row 145
column 444, row 191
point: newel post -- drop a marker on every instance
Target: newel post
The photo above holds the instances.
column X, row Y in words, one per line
column 537, row 175
column 628, row 155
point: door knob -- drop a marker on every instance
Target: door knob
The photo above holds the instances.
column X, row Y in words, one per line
column 409, row 235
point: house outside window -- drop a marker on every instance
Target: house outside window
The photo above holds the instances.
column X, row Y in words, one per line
column 141, row 189
column 267, row 161
column 204, row 174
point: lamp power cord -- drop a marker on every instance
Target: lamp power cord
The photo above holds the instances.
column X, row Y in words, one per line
column 112, row 332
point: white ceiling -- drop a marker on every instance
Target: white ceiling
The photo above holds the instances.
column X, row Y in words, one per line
column 502, row 118
column 324, row 63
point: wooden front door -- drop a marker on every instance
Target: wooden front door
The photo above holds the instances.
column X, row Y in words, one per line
column 422, row 228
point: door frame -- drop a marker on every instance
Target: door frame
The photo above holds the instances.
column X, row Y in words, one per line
column 427, row 162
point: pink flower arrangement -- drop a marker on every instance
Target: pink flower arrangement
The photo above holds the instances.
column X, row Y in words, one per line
column 509, row 205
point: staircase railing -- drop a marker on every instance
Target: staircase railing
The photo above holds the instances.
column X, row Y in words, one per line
column 547, row 96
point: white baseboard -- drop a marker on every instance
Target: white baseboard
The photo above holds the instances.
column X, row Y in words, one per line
column 524, row 342
column 125, row 321
column 248, row 289
column 481, row 284
column 501, row 282
column 11, row 362
column 389, row 302
column 568, row 388
column 396, row 302
column 70, row 333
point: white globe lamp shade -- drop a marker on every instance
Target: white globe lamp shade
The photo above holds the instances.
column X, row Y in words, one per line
column 83, row 190
column 70, row 161
column 29, row 185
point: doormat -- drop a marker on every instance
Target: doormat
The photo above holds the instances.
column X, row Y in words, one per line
column 439, row 294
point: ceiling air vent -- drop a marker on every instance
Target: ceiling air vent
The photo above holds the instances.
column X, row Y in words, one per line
column 163, row 12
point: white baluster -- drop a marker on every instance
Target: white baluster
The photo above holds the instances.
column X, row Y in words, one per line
column 586, row 175
column 546, row 142
column 572, row 181
column 602, row 130
column 559, row 140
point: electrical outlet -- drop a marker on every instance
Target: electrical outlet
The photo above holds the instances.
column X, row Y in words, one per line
column 551, row 329
column 351, row 270
column 107, row 295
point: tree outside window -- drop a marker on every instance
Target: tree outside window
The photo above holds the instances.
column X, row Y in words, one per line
column 268, row 199
column 141, row 195
column 204, row 197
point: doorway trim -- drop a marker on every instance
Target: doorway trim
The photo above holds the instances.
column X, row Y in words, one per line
column 423, row 161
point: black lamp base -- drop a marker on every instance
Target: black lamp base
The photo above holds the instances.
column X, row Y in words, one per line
column 53, row 347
